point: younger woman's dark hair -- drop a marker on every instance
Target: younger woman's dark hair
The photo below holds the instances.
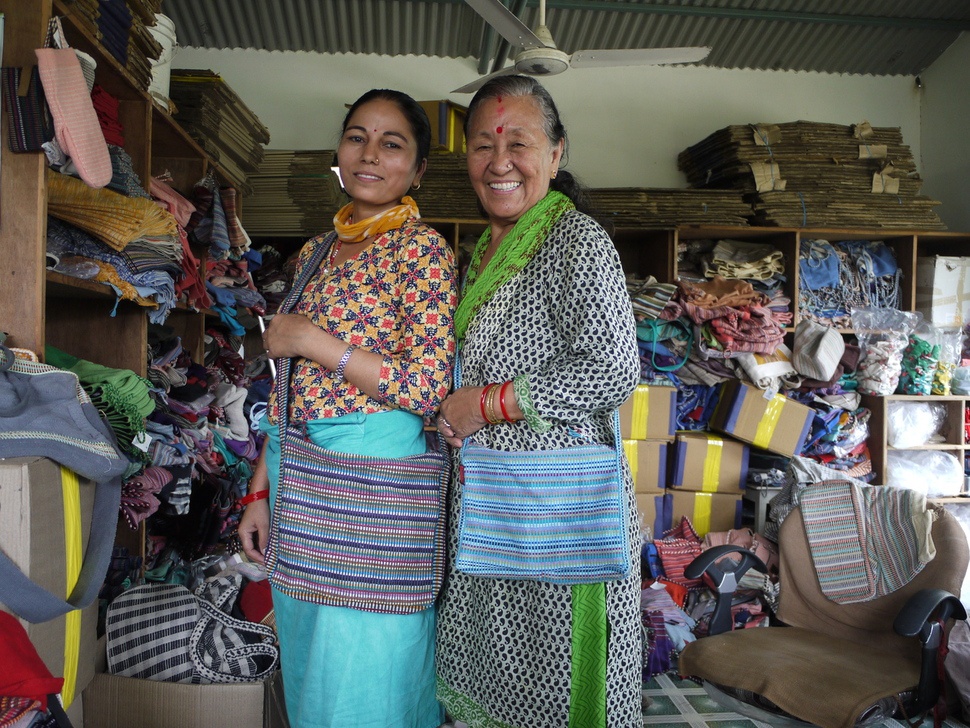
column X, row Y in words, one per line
column 412, row 110
column 519, row 85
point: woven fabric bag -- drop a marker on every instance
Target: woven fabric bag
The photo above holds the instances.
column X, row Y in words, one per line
column 29, row 123
column 353, row 530
column 557, row 516
column 545, row 515
column 165, row 632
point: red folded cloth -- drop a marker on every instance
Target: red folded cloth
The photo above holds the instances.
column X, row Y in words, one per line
column 22, row 673
column 256, row 600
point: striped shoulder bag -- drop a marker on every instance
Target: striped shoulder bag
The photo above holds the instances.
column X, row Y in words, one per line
column 557, row 516
column 355, row 531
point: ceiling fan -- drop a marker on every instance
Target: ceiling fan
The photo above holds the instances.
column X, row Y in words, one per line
column 541, row 57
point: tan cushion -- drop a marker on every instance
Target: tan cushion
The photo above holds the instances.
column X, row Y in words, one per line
column 809, row 675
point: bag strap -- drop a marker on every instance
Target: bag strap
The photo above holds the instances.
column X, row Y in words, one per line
column 32, row 602
column 211, row 615
column 284, row 366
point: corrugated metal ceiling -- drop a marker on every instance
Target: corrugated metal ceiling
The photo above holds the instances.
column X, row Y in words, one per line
column 879, row 37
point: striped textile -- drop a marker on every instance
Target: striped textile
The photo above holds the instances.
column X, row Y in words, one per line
column 865, row 541
column 357, row 531
column 148, row 630
column 546, row 515
column 29, row 122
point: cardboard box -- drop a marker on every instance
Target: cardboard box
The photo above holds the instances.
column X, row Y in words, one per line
column 447, row 126
column 655, row 509
column 35, row 536
column 943, row 289
column 777, row 424
column 709, row 463
column 111, row 701
column 648, row 464
column 708, row 512
column 649, row 414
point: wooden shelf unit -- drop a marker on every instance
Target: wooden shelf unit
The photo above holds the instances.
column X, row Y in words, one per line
column 953, row 431
column 41, row 307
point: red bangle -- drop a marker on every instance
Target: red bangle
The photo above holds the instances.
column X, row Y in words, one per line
column 254, row 496
column 501, row 402
column 481, row 402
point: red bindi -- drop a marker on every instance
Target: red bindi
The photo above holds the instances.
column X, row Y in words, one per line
column 498, row 130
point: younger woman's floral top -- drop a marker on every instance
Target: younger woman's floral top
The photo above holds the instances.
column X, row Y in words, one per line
column 396, row 298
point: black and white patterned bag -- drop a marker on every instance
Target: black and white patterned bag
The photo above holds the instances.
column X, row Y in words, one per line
column 165, row 632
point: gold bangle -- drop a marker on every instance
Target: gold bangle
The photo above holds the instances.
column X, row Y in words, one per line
column 491, row 413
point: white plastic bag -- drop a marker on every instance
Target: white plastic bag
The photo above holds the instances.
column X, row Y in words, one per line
column 912, row 424
column 935, row 473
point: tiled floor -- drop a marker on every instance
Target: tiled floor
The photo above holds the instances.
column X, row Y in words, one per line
column 678, row 703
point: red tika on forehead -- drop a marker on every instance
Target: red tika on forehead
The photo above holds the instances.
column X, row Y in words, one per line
column 498, row 130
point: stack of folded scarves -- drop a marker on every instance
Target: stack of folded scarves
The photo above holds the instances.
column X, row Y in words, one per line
column 143, row 279
column 191, row 283
column 111, row 217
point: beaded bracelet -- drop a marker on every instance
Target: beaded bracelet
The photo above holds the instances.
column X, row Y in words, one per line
column 342, row 365
column 501, row 401
column 254, row 496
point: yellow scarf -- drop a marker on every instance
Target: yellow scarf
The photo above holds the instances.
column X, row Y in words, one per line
column 393, row 217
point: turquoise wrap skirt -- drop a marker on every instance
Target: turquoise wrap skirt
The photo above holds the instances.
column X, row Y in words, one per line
column 343, row 668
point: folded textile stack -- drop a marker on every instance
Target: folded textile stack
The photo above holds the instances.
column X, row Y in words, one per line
column 112, row 217
column 446, row 191
column 657, row 207
column 294, row 193
column 213, row 115
column 811, row 174
column 122, row 28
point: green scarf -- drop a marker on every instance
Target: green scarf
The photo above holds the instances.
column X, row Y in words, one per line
column 517, row 248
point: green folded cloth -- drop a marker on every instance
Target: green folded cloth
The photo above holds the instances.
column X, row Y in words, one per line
column 123, row 396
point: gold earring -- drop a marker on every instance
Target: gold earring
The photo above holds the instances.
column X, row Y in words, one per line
column 416, row 186
column 553, row 176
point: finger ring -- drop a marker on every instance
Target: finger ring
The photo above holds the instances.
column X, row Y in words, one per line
column 445, row 422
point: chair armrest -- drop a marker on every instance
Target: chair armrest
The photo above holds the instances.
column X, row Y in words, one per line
column 925, row 605
column 923, row 616
column 724, row 579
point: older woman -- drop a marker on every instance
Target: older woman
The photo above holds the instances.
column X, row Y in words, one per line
column 544, row 315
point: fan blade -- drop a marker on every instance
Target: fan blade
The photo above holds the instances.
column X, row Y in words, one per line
column 637, row 57
column 479, row 82
column 506, row 23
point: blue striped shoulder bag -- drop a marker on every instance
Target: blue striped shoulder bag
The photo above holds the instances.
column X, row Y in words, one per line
column 355, row 531
column 556, row 516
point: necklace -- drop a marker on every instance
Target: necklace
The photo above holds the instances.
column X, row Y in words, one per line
column 331, row 257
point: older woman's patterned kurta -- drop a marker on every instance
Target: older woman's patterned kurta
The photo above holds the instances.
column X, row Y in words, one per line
column 504, row 647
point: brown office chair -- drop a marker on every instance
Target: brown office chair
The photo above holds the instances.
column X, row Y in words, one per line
column 832, row 664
